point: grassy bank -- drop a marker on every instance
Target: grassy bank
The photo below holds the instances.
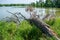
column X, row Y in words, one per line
column 25, row 31
column 55, row 25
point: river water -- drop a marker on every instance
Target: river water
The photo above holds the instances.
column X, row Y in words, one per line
column 40, row 11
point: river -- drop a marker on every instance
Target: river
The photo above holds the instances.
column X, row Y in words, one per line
column 40, row 11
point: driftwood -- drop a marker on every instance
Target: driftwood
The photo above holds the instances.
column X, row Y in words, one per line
column 45, row 28
column 15, row 16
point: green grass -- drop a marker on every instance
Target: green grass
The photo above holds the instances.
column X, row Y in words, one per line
column 55, row 25
column 25, row 31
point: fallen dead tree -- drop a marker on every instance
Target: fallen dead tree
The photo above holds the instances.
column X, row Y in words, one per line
column 45, row 28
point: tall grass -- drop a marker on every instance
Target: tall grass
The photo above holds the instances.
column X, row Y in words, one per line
column 55, row 25
column 25, row 31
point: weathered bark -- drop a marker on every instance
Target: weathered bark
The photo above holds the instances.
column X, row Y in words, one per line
column 45, row 28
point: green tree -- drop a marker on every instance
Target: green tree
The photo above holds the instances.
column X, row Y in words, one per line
column 57, row 3
column 33, row 4
column 48, row 3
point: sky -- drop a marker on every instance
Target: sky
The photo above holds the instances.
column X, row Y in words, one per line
column 16, row 1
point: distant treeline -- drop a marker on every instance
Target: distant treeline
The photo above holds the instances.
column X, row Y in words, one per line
column 40, row 3
column 14, row 4
column 47, row 3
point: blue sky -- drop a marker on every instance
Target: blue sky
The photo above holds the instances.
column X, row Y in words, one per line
column 16, row 1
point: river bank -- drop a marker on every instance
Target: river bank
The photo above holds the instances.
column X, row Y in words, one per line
column 8, row 31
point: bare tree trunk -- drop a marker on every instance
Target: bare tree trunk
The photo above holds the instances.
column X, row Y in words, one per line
column 45, row 28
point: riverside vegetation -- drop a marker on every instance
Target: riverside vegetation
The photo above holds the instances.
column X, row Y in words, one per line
column 25, row 31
